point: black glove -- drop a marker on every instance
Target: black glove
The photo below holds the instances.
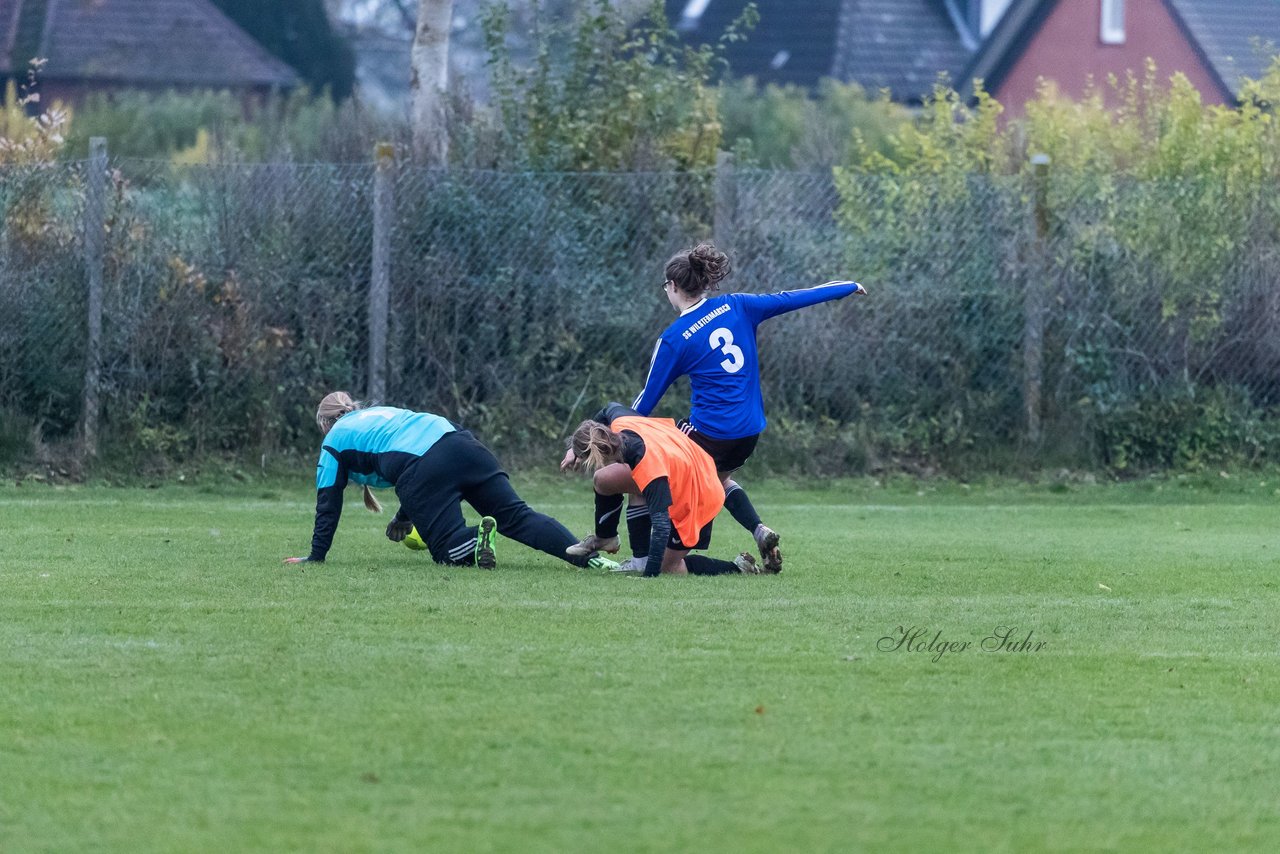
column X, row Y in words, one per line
column 398, row 529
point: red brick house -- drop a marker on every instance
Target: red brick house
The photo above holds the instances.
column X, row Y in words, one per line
column 107, row 45
column 1215, row 43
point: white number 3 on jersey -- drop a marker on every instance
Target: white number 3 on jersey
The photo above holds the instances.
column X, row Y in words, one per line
column 723, row 339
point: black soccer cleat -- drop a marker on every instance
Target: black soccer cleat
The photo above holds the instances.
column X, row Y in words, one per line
column 767, row 541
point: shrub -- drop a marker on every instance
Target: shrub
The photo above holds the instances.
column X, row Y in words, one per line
column 628, row 97
column 294, row 127
column 785, row 127
column 1149, row 241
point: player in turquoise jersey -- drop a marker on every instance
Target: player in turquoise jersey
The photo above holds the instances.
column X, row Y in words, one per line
column 434, row 465
column 713, row 342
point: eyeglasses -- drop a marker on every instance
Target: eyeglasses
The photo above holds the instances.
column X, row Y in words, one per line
column 666, row 282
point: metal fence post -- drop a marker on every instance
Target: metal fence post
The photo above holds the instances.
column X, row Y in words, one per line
column 380, row 278
column 94, row 245
column 726, row 190
column 1034, row 305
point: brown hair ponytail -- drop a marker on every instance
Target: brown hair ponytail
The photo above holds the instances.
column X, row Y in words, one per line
column 595, row 444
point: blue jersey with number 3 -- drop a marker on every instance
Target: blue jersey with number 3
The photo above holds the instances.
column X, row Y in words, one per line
column 714, row 342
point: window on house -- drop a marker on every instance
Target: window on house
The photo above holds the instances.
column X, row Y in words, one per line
column 1112, row 30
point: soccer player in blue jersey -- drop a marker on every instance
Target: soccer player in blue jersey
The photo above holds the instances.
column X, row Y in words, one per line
column 434, row 465
column 714, row 342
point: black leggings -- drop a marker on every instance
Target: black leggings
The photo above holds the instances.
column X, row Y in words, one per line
column 459, row 468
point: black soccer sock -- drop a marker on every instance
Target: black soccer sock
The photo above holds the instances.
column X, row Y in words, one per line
column 638, row 528
column 703, row 565
column 741, row 509
column 608, row 509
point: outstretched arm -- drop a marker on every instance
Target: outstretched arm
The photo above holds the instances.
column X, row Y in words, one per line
column 663, row 370
column 765, row 306
column 331, row 479
column 328, row 512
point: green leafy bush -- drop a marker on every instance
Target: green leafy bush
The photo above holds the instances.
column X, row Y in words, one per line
column 1149, row 239
column 607, row 94
column 1173, row 429
column 786, row 127
column 293, row 127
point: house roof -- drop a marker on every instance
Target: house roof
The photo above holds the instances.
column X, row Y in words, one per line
column 1237, row 38
column 794, row 42
column 1004, row 44
column 1229, row 35
column 899, row 45
column 895, row 45
column 137, row 42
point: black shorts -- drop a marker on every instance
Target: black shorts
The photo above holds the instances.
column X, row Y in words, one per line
column 704, row 539
column 729, row 455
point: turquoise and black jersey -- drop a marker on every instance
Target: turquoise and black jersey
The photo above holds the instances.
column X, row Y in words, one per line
column 714, row 342
column 371, row 447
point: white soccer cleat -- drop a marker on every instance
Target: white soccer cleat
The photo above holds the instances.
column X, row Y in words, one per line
column 591, row 543
column 633, row 564
column 767, row 541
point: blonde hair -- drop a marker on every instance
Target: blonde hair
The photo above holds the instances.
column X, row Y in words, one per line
column 333, row 406
column 595, row 444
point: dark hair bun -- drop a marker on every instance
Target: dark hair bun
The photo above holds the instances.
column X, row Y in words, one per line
column 708, row 264
column 698, row 270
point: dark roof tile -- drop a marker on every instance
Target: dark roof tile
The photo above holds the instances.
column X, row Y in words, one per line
column 140, row 42
column 794, row 42
column 899, row 45
column 1237, row 37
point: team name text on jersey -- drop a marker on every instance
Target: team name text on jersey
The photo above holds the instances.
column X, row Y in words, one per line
column 688, row 333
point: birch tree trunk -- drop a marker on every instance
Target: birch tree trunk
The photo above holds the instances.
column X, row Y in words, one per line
column 429, row 82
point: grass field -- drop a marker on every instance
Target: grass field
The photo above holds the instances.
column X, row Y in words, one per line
column 168, row 685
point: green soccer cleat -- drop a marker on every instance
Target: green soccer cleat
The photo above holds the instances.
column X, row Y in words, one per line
column 602, row 563
column 486, row 540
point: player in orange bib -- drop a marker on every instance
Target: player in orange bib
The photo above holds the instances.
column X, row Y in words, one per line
column 651, row 456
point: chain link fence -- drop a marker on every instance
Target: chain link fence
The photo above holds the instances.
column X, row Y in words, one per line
column 1070, row 318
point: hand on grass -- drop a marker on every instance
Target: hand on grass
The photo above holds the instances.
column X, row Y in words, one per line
column 297, row 560
column 398, row 529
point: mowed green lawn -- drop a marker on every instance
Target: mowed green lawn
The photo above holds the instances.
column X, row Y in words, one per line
column 167, row 685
